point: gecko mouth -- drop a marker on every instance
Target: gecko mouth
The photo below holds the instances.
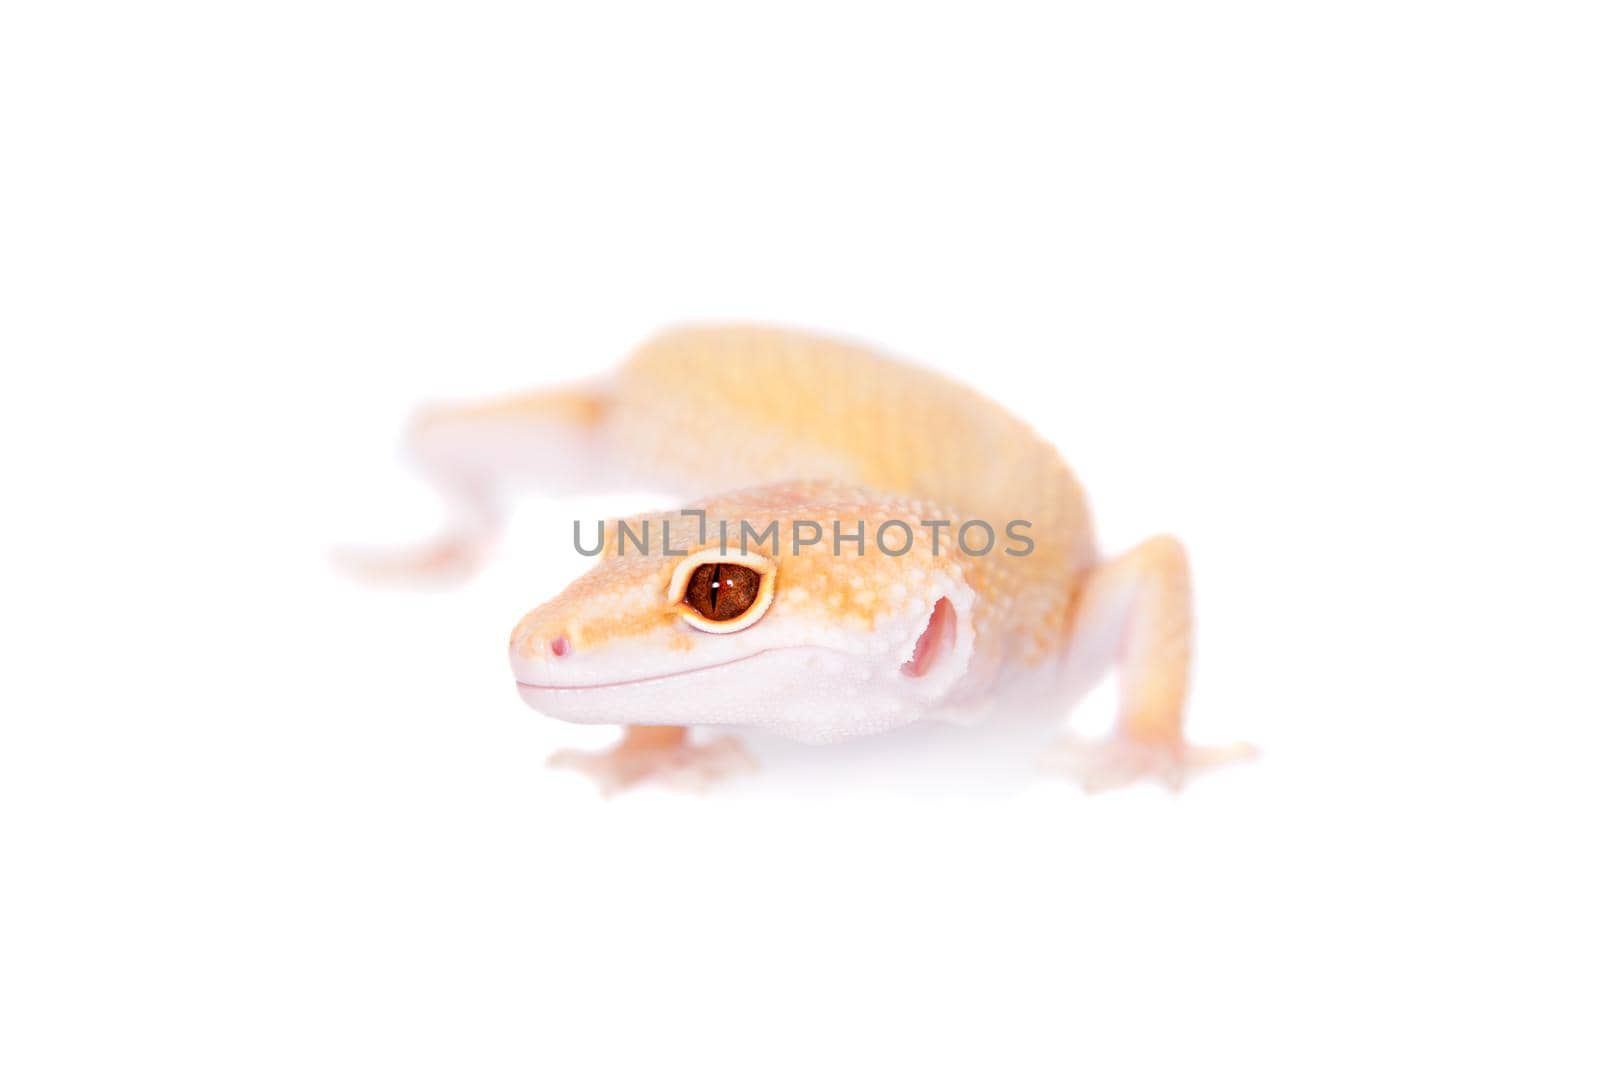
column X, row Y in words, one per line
column 761, row 687
column 536, row 687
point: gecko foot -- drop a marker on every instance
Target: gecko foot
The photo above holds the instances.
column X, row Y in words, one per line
column 1113, row 762
column 660, row 755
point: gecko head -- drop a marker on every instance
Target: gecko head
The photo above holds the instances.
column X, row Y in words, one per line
column 811, row 643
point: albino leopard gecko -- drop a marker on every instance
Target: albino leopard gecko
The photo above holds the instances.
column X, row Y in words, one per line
column 819, row 640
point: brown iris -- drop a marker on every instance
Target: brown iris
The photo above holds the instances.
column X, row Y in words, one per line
column 722, row 591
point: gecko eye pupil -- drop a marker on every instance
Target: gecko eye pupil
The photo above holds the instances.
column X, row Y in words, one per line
column 722, row 591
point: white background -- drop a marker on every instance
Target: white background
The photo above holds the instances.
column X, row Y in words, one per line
column 1313, row 286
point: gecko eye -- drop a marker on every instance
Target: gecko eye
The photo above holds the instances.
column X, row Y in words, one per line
column 722, row 591
column 718, row 596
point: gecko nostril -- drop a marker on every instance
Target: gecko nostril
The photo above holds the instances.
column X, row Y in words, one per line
column 560, row 646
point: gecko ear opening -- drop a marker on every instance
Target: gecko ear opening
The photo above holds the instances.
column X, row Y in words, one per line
column 937, row 639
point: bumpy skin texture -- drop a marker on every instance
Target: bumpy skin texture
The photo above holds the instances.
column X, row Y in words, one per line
column 744, row 406
column 767, row 425
column 834, row 640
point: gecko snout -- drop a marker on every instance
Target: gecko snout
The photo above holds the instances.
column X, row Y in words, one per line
column 545, row 655
column 540, row 641
column 543, row 646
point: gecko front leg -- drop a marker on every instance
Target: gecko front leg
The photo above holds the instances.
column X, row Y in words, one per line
column 1138, row 605
column 551, row 440
column 661, row 754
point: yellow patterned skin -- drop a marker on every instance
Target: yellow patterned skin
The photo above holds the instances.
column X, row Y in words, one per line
column 848, row 623
column 722, row 407
column 621, row 596
column 770, row 425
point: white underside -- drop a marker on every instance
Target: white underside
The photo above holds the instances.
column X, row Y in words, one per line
column 808, row 694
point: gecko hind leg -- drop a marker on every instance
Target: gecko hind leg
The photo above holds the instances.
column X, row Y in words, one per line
column 1140, row 604
column 475, row 454
column 658, row 754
